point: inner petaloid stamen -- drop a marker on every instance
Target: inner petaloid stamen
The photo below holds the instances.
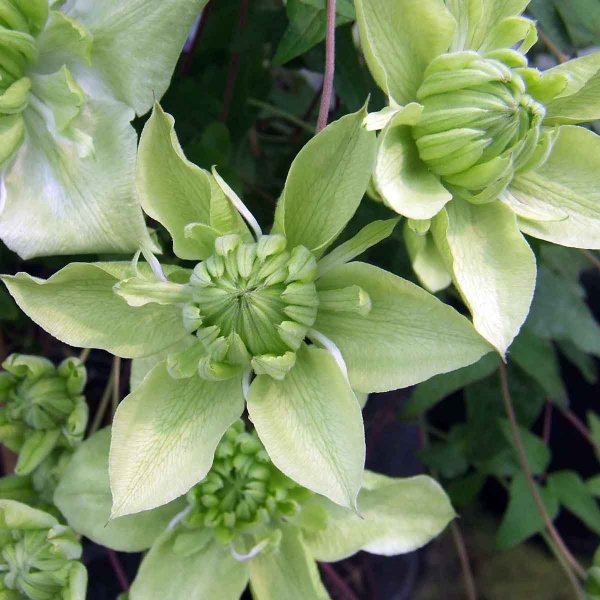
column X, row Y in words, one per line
column 243, row 501
column 252, row 304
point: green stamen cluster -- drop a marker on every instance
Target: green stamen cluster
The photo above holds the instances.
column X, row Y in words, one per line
column 42, row 407
column 244, row 497
column 38, row 556
column 252, row 304
column 479, row 124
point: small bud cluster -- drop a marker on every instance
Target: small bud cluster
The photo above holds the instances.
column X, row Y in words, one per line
column 42, row 409
column 252, row 304
column 38, row 557
column 479, row 125
column 244, row 498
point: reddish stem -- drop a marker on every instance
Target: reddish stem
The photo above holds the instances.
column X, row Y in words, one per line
column 189, row 58
column 580, row 427
column 547, row 427
column 337, row 582
column 118, row 569
column 329, row 66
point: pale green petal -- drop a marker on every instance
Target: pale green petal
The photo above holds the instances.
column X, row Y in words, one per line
column 368, row 236
column 407, row 337
column 580, row 101
column 311, row 425
column 568, row 181
column 426, row 260
column 164, row 437
column 211, row 574
column 176, row 192
column 290, row 572
column 136, row 43
column 326, row 183
column 401, row 178
column 77, row 305
column 492, row 265
column 476, row 18
column 83, row 497
column 400, row 38
column 65, row 197
column 398, row 516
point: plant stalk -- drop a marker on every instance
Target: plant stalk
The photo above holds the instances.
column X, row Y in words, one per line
column 329, row 67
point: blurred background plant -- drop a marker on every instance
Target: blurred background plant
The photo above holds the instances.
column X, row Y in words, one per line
column 516, row 446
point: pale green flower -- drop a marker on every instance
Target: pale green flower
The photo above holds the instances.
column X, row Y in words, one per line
column 38, row 556
column 263, row 321
column 247, row 523
column 73, row 75
column 478, row 148
column 42, row 409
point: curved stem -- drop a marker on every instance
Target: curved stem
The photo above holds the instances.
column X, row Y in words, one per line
column 591, row 257
column 116, row 387
column 341, row 586
column 459, row 542
column 329, row 66
column 84, row 354
column 565, row 566
column 102, row 406
column 562, row 548
column 118, row 569
column 570, row 416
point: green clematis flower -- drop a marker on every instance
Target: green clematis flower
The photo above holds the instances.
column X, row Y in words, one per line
column 314, row 330
column 478, row 148
column 38, row 556
column 246, row 522
column 42, row 410
column 73, row 74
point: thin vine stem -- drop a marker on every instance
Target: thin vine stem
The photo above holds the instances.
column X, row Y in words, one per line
column 102, row 405
column 329, row 67
column 341, row 586
column 571, row 560
column 84, row 354
column 465, row 563
column 563, row 563
column 277, row 112
column 116, row 384
column 591, row 257
column 570, row 416
column 558, row 54
column 118, row 569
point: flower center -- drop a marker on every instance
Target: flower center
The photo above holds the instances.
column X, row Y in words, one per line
column 243, row 497
column 252, row 300
column 479, row 125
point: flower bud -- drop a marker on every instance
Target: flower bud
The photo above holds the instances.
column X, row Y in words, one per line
column 243, row 499
column 42, row 407
column 38, row 557
column 479, row 124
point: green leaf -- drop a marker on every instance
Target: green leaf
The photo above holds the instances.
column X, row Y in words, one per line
column 368, row 236
column 572, row 492
column 326, row 182
column 396, row 516
column 402, row 179
column 477, row 18
column 429, row 393
column 137, row 44
column 559, row 312
column 290, row 572
column 77, row 305
column 311, row 425
column 584, row 362
column 210, row 573
column 569, row 180
column 426, row 260
column 537, row 357
column 448, row 458
column 492, row 265
column 580, row 101
column 308, row 26
column 594, row 427
column 407, row 337
column 537, row 453
column 522, row 518
column 57, row 197
column 593, row 485
column 164, row 437
column 176, row 192
column 83, row 497
column 400, row 38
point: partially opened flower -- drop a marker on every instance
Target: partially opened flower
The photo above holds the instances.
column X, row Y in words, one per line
column 38, row 556
column 246, row 522
column 42, row 409
column 72, row 76
column 477, row 147
column 312, row 329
